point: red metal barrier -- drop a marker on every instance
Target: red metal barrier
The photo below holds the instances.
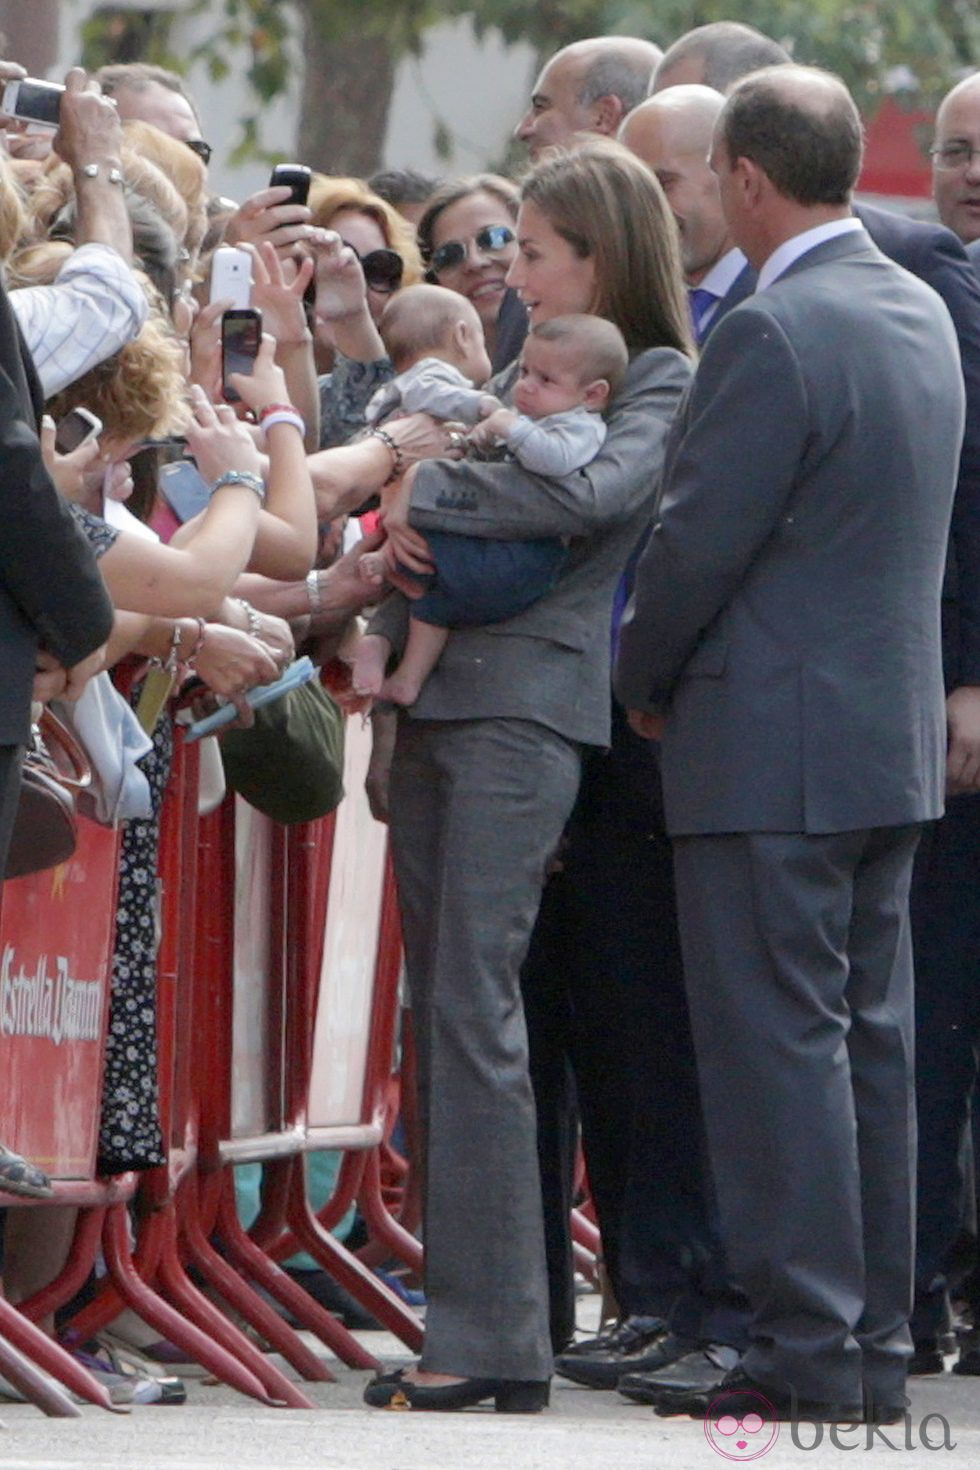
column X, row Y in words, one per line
column 278, row 1014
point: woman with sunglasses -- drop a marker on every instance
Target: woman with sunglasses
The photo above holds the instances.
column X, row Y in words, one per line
column 487, row 767
column 349, row 352
column 468, row 241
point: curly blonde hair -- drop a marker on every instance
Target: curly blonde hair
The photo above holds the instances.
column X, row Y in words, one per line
column 140, row 393
column 330, row 194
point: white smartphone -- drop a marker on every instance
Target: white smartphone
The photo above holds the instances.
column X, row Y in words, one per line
column 231, row 276
column 34, row 102
column 76, row 429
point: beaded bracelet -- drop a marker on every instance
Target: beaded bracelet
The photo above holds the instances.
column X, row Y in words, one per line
column 241, row 477
column 254, row 621
column 397, row 457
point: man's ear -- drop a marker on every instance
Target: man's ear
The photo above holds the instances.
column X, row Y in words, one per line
column 607, row 114
column 750, row 179
column 596, row 395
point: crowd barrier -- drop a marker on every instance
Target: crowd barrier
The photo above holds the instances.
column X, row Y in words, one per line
column 279, row 1028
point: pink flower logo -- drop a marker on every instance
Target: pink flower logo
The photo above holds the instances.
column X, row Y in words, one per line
column 743, row 1437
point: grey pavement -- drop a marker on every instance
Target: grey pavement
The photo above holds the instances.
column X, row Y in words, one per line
column 218, row 1429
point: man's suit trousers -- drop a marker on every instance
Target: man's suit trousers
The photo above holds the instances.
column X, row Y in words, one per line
column 798, row 960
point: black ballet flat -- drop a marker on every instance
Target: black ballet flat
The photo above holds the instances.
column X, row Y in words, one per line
column 510, row 1396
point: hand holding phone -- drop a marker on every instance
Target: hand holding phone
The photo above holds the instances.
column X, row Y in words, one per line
column 33, row 101
column 241, row 338
column 266, row 383
column 294, row 176
column 231, row 276
column 76, row 429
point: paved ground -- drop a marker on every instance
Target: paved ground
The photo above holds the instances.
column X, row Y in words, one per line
column 219, row 1430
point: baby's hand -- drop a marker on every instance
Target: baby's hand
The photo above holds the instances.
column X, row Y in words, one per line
column 496, row 426
column 488, row 405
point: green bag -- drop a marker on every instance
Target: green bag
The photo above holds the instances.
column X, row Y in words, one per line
column 290, row 764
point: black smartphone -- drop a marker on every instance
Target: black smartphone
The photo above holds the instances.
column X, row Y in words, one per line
column 33, row 101
column 75, row 429
column 295, row 176
column 241, row 338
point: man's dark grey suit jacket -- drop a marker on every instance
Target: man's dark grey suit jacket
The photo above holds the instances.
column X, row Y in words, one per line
column 787, row 604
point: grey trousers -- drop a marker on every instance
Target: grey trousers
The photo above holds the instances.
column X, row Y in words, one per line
column 798, row 964
column 477, row 809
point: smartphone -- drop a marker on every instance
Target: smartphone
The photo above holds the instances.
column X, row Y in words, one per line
column 241, row 338
column 231, row 276
column 184, row 489
column 297, row 176
column 76, row 429
column 33, row 101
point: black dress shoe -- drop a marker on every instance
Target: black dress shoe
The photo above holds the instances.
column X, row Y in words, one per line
column 689, row 1372
column 738, row 1395
column 510, row 1396
column 600, row 1362
column 927, row 1358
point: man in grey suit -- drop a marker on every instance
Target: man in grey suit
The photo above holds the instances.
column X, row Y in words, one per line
column 785, row 639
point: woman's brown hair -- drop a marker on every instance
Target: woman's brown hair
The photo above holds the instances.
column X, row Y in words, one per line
column 499, row 188
column 608, row 205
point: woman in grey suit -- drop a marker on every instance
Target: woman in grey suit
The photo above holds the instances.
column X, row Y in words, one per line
column 486, row 770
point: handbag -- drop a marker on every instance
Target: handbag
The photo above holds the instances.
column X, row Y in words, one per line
column 54, row 771
column 290, row 763
column 115, row 741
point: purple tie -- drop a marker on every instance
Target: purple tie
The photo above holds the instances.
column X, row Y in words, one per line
column 701, row 302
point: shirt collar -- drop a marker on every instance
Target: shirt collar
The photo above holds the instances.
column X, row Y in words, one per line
column 724, row 273
column 790, row 251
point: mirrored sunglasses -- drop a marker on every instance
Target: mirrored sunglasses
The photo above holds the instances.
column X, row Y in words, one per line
column 489, row 240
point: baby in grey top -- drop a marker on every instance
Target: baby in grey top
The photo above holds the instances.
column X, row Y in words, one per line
column 568, row 371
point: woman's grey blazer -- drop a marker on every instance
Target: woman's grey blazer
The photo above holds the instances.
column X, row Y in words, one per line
column 551, row 663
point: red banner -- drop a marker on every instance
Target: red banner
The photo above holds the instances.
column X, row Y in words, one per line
column 56, row 942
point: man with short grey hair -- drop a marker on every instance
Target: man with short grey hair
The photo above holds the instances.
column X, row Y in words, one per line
column 587, row 87
column 716, row 55
column 785, row 640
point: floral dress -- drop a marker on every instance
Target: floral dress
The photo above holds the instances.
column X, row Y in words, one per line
column 130, row 1135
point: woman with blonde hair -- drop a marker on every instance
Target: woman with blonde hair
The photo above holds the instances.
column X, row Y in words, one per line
column 487, row 766
column 350, row 354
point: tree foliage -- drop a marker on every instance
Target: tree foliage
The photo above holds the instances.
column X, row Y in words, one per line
column 912, row 48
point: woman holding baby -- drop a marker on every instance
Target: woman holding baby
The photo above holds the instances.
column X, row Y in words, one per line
column 487, row 766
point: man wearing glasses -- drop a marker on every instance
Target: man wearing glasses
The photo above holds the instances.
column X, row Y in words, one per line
column 154, row 95
column 956, row 160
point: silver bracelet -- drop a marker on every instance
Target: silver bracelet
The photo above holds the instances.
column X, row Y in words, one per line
column 241, row 477
column 254, row 621
column 314, row 592
column 92, row 171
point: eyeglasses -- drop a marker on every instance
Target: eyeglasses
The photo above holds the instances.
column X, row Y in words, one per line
column 382, row 269
column 953, row 156
column 202, row 149
column 491, row 240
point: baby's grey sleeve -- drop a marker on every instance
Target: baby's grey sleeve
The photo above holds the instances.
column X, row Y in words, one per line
column 558, row 445
column 444, row 400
